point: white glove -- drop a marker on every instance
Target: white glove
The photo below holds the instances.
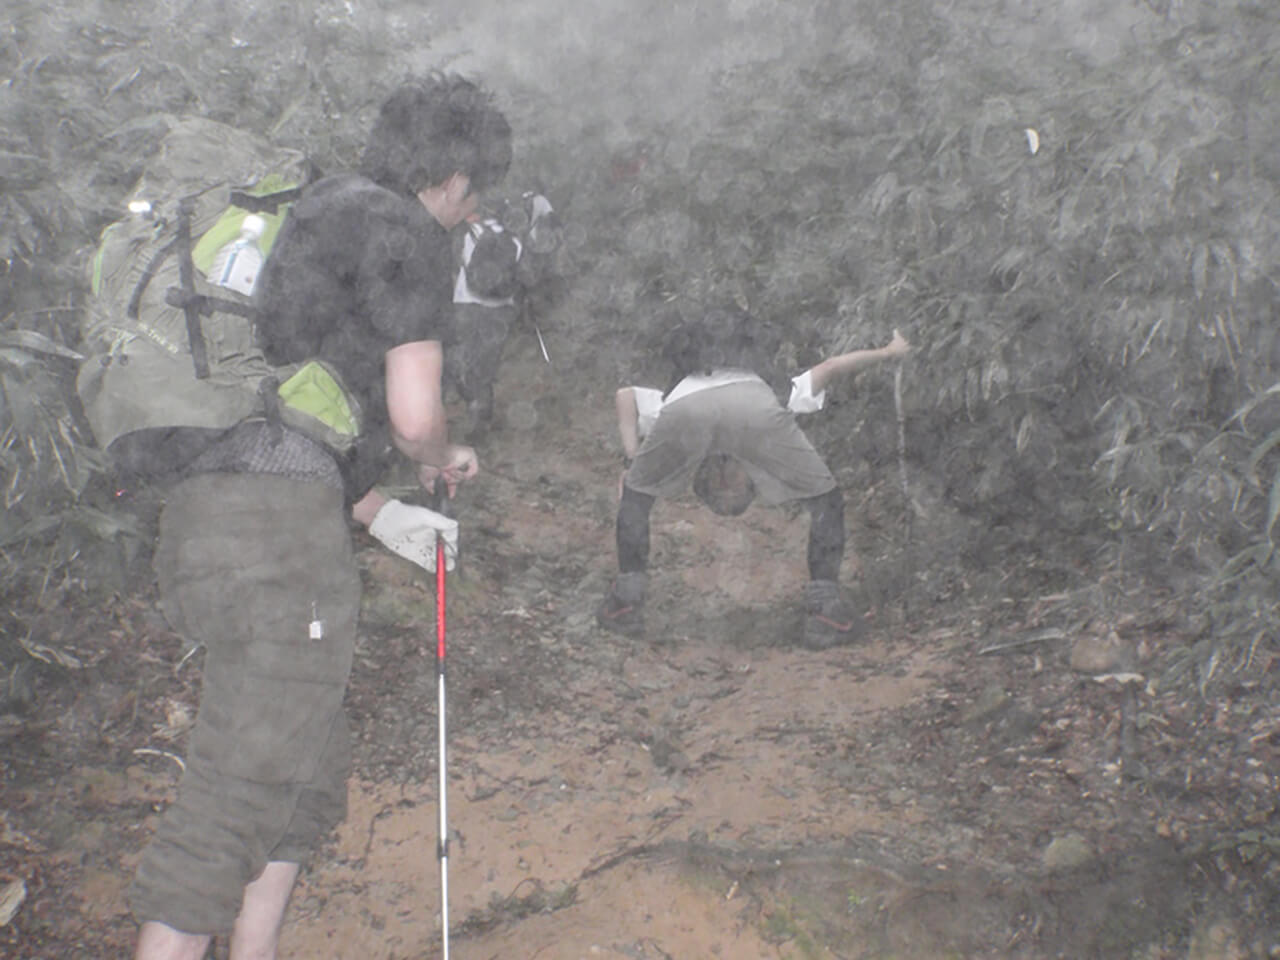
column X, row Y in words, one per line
column 411, row 532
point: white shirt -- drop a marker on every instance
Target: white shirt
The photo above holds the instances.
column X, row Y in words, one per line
column 649, row 402
column 539, row 207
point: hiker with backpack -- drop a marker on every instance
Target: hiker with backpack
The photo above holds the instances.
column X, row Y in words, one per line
column 254, row 557
column 720, row 427
column 501, row 258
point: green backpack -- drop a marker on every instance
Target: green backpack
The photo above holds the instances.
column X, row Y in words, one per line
column 166, row 349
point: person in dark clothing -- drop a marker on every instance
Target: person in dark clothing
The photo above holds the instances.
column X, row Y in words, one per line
column 502, row 258
column 722, row 428
column 485, row 306
column 254, row 558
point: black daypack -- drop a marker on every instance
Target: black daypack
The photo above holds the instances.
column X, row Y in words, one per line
column 490, row 268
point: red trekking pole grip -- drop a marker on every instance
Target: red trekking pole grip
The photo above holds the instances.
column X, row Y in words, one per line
column 440, row 621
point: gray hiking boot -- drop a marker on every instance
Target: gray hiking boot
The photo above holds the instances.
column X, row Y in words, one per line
column 829, row 620
column 622, row 610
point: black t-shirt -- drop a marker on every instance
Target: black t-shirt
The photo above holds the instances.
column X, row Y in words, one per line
column 355, row 271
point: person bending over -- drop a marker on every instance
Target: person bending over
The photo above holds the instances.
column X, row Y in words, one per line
column 721, row 428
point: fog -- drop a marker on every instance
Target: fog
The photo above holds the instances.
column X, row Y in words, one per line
column 622, row 69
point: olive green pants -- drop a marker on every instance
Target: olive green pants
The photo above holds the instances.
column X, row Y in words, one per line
column 259, row 569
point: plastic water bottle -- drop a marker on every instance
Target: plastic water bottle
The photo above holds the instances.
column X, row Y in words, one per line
column 237, row 264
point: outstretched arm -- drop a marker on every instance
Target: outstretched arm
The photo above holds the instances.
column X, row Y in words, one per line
column 831, row 368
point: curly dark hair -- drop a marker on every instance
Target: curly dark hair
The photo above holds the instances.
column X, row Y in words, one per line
column 433, row 127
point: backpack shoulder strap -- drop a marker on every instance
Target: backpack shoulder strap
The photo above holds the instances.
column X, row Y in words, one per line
column 187, row 283
column 193, row 305
column 144, row 281
column 268, row 203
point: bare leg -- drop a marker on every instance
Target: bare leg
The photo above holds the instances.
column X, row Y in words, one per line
column 159, row 941
column 257, row 930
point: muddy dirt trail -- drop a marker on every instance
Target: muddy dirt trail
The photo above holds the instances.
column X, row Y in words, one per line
column 619, row 796
column 710, row 789
column 713, row 789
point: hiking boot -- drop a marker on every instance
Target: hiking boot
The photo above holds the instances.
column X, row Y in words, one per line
column 622, row 610
column 829, row 620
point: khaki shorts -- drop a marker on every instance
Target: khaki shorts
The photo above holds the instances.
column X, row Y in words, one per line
column 743, row 420
column 246, row 562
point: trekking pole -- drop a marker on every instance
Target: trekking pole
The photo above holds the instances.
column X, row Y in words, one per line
column 526, row 312
column 542, row 343
column 902, row 478
column 442, row 843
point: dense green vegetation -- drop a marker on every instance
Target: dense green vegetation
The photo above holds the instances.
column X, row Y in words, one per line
column 1084, row 252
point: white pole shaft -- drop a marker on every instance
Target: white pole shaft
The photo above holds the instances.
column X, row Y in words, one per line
column 444, row 821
